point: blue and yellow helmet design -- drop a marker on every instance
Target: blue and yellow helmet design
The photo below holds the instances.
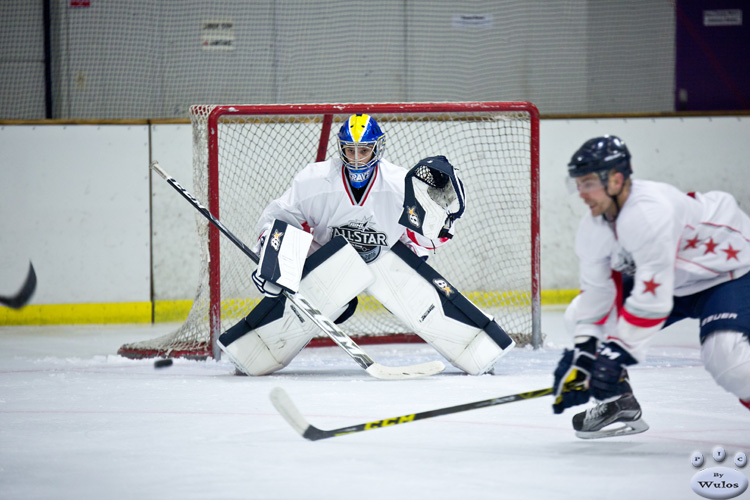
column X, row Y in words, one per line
column 361, row 144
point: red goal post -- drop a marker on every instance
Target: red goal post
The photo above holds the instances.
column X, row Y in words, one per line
column 244, row 156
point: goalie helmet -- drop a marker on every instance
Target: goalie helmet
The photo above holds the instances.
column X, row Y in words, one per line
column 600, row 155
column 360, row 133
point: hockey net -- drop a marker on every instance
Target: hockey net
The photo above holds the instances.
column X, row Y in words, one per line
column 246, row 156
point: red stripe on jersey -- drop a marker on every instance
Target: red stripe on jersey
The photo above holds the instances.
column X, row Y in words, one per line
column 604, row 319
column 348, row 188
column 698, row 265
column 346, row 185
column 641, row 322
column 413, row 237
column 724, row 226
column 370, row 185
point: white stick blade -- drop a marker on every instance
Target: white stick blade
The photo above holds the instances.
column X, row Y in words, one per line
column 286, row 408
column 405, row 372
column 155, row 166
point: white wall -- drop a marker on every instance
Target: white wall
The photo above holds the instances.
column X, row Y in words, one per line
column 75, row 200
column 176, row 245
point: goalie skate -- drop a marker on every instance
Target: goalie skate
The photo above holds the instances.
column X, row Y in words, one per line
column 602, row 420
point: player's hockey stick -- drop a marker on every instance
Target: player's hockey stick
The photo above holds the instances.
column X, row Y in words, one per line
column 20, row 299
column 319, row 319
column 291, row 414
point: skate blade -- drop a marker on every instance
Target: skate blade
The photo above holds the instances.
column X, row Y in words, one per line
column 628, row 428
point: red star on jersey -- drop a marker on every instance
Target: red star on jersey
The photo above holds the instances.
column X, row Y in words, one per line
column 651, row 286
column 693, row 243
column 710, row 245
column 731, row 253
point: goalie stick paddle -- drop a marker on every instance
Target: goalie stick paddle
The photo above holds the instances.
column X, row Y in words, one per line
column 23, row 296
column 319, row 319
column 292, row 415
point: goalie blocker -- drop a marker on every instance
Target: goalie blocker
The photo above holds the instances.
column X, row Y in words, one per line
column 274, row 332
column 282, row 254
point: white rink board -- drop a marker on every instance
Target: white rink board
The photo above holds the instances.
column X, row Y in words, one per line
column 175, row 238
column 74, row 200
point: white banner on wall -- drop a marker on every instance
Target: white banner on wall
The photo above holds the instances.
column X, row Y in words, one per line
column 217, row 35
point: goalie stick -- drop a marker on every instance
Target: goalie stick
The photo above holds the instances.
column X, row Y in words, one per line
column 319, row 319
column 292, row 415
column 20, row 299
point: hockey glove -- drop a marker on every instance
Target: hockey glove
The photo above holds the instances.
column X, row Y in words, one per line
column 608, row 375
column 282, row 258
column 267, row 288
column 434, row 198
column 572, row 376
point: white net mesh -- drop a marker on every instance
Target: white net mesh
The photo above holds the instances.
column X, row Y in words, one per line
column 489, row 259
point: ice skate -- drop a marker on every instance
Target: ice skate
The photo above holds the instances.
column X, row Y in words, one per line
column 601, row 420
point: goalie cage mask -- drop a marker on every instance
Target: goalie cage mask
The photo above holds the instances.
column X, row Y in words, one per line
column 361, row 130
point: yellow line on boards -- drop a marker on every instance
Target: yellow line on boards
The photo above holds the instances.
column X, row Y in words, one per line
column 177, row 310
column 70, row 314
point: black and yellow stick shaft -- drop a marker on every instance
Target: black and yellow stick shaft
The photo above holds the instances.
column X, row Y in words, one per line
column 288, row 410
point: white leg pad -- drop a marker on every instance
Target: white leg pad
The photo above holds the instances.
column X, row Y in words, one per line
column 726, row 356
column 274, row 340
column 340, row 278
column 415, row 301
column 270, row 347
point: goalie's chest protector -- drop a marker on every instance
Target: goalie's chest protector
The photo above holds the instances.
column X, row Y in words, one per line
column 370, row 225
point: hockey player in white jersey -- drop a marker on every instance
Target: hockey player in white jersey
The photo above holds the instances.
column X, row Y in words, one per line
column 357, row 222
column 669, row 256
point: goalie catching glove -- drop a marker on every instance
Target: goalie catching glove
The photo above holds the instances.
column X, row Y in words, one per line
column 282, row 256
column 434, row 198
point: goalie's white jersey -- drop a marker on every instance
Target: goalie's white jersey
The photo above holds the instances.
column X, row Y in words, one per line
column 320, row 200
column 678, row 244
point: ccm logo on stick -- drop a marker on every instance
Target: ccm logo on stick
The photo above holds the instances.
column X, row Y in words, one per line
column 389, row 421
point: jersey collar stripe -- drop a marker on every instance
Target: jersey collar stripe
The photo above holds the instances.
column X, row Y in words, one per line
column 371, row 184
column 347, row 188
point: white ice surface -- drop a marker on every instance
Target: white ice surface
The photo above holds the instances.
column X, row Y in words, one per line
column 79, row 422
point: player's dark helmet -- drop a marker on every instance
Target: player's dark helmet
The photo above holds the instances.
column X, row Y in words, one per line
column 600, row 155
column 361, row 130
